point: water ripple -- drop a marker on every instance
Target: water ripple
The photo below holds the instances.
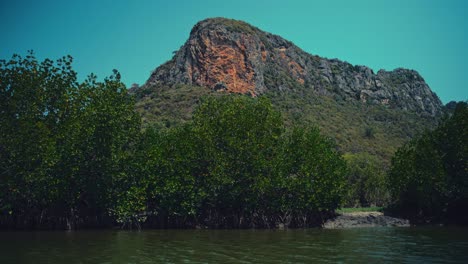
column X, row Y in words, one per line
column 383, row 245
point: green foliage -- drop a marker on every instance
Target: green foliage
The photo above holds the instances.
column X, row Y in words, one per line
column 369, row 132
column 236, row 25
column 234, row 166
column 374, row 130
column 74, row 154
column 165, row 107
column 34, row 105
column 366, row 181
column 355, row 127
column 178, row 191
column 239, row 135
column 63, row 145
column 311, row 174
column 428, row 179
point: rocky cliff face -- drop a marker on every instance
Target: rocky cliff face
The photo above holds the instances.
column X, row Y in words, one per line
column 233, row 56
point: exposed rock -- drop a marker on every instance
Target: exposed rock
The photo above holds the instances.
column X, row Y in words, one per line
column 364, row 219
column 233, row 56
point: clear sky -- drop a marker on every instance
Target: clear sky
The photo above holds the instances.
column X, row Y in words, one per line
column 136, row 36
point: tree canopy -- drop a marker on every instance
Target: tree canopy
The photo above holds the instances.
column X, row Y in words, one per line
column 428, row 179
column 63, row 144
column 74, row 155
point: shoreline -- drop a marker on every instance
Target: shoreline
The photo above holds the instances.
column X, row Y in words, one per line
column 364, row 219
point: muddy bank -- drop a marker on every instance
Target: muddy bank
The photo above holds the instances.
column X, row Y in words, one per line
column 364, row 219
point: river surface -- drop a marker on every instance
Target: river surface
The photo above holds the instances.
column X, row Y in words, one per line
column 364, row 245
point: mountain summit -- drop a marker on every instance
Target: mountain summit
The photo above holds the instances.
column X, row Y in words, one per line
column 361, row 110
column 229, row 55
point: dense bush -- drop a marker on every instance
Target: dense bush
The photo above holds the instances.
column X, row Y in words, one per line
column 63, row 145
column 235, row 166
column 310, row 176
column 428, row 179
column 366, row 181
column 74, row 155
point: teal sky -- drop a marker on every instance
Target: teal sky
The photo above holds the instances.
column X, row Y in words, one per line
column 137, row 36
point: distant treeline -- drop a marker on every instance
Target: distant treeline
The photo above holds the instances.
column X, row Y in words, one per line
column 75, row 155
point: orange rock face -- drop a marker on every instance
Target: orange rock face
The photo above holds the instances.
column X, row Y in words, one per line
column 232, row 60
column 223, row 66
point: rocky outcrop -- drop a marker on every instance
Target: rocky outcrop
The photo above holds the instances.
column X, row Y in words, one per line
column 217, row 57
column 364, row 219
column 230, row 55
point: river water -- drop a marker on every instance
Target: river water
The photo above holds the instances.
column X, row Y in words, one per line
column 364, row 245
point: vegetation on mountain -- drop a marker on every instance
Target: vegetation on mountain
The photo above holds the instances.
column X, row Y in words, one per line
column 355, row 127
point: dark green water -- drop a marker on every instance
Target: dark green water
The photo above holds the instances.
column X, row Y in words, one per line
column 371, row 245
